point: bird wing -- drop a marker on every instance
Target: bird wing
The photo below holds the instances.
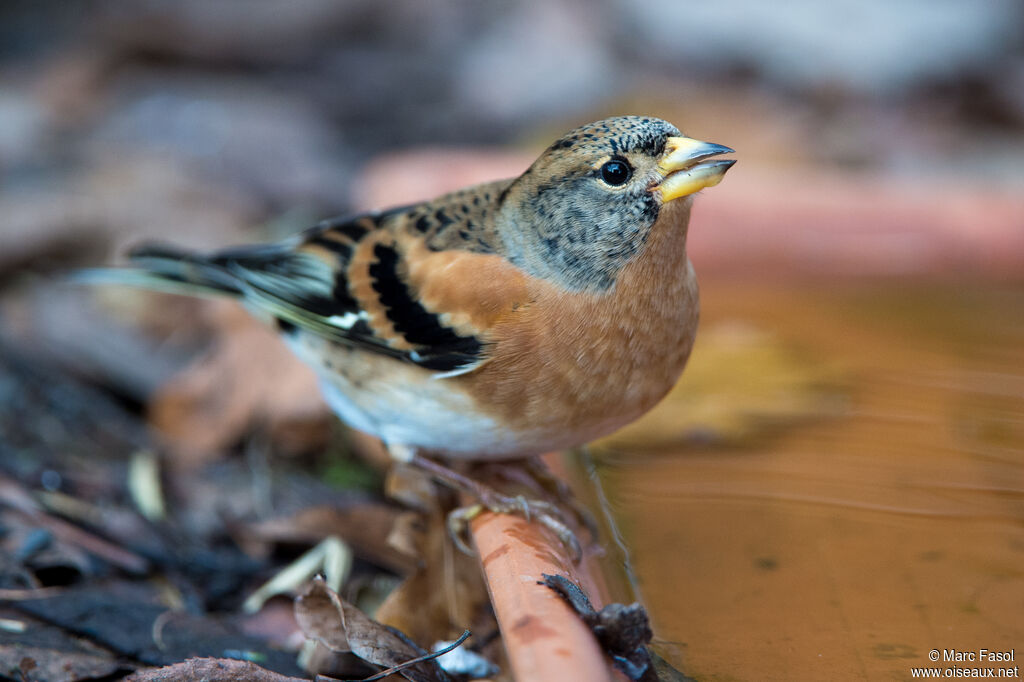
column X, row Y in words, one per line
column 371, row 283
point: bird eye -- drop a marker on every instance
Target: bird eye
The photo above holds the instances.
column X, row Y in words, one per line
column 616, row 172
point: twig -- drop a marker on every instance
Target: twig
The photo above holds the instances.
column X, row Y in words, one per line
column 545, row 639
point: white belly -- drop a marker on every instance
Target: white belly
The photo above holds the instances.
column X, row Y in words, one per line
column 412, row 418
column 403, row 404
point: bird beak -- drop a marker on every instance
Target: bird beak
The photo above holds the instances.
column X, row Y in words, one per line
column 683, row 171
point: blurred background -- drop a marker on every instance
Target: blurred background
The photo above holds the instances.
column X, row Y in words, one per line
column 836, row 487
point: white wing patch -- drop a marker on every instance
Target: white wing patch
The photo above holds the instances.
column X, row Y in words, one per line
column 348, row 320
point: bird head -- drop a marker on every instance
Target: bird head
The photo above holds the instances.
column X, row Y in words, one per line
column 587, row 205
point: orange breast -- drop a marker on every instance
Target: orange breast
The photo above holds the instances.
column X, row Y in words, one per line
column 586, row 363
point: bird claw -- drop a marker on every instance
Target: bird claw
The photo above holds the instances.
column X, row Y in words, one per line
column 458, row 526
column 547, row 514
column 544, row 513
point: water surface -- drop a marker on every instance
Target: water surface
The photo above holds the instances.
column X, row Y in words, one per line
column 844, row 542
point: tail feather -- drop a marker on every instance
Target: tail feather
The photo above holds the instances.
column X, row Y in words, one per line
column 167, row 269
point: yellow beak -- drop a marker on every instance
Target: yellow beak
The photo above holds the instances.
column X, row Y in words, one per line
column 684, row 173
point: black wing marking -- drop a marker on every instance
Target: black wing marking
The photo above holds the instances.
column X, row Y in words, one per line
column 438, row 346
column 302, row 289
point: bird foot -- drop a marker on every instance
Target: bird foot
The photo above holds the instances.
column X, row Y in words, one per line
column 545, row 513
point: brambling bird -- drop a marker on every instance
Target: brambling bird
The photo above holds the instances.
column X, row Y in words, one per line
column 501, row 321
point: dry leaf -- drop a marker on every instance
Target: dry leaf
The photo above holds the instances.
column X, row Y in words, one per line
column 446, row 594
column 330, row 620
column 322, row 617
column 247, row 378
column 44, row 653
column 210, row 670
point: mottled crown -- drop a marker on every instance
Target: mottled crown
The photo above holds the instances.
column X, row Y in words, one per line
column 622, row 134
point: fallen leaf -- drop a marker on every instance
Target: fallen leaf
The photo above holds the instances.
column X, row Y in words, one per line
column 248, row 378
column 211, row 670
column 129, row 619
column 330, row 620
column 321, row 616
column 445, row 595
column 44, row 653
column 623, row 631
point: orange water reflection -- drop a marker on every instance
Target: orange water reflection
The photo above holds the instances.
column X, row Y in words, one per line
column 849, row 546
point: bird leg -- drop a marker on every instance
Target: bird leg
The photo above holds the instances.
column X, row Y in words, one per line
column 545, row 513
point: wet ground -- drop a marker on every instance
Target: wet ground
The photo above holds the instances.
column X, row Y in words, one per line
column 849, row 541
